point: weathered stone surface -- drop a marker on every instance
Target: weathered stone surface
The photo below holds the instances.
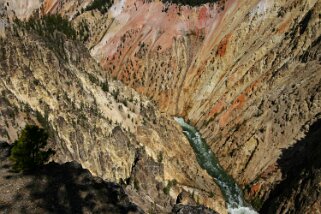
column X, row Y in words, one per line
column 59, row 86
column 59, row 188
column 300, row 189
column 182, row 209
column 22, row 8
column 247, row 75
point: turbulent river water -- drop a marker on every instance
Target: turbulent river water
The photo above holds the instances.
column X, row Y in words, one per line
column 206, row 159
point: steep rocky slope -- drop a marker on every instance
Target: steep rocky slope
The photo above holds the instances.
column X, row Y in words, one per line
column 246, row 73
column 22, row 8
column 55, row 188
column 66, row 188
column 299, row 192
column 106, row 127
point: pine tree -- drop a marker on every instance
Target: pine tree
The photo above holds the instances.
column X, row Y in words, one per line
column 27, row 151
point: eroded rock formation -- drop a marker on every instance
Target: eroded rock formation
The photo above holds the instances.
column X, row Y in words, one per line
column 100, row 123
column 246, row 73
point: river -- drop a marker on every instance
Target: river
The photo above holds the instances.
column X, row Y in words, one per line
column 207, row 160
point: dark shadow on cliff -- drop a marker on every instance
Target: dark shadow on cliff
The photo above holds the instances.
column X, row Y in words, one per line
column 71, row 189
column 60, row 188
column 300, row 164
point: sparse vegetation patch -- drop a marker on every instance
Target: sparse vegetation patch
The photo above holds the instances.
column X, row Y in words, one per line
column 28, row 151
column 47, row 25
column 101, row 5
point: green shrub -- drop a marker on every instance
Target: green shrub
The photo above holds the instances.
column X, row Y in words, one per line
column 105, row 86
column 83, row 31
column 211, row 194
column 93, row 79
column 46, row 27
column 115, row 93
column 101, row 5
column 170, row 184
column 257, row 203
column 160, row 157
column 27, row 151
column 48, row 24
column 167, row 189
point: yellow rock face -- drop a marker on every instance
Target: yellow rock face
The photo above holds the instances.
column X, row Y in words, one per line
column 22, row 8
column 115, row 133
column 246, row 75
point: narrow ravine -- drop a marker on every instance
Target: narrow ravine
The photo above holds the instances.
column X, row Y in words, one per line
column 206, row 159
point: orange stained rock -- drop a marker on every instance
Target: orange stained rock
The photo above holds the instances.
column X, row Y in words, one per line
column 218, row 26
column 253, row 85
column 237, row 104
column 203, row 13
column 218, row 107
column 124, row 76
column 224, row 117
column 284, row 26
column 140, row 89
column 156, row 27
column 255, row 189
column 49, row 6
column 163, row 98
column 239, row 101
column 223, row 45
column 271, row 169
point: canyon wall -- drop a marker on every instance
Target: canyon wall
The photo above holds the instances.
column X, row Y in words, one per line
column 246, row 74
column 22, row 8
column 105, row 126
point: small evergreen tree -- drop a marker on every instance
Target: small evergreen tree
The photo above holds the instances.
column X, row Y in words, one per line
column 27, row 151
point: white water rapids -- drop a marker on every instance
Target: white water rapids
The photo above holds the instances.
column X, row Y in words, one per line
column 206, row 159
